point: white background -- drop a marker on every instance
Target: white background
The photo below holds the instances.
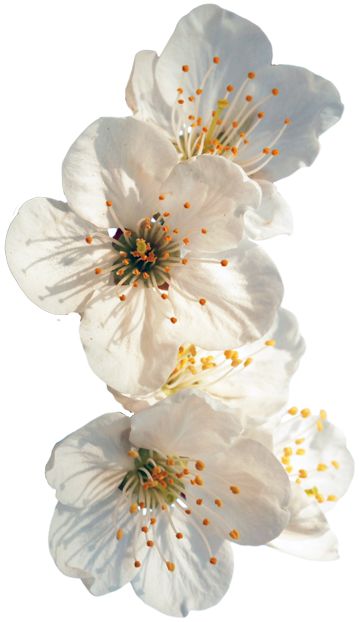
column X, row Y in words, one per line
column 65, row 63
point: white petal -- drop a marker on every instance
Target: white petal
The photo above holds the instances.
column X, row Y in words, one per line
column 131, row 345
column 123, row 161
column 310, row 102
column 89, row 464
column 194, row 583
column 327, row 462
column 273, row 217
column 242, row 298
column 83, row 543
column 49, row 257
column 142, row 94
column 184, row 424
column 218, row 194
column 259, row 512
column 307, row 534
column 260, row 390
column 205, row 32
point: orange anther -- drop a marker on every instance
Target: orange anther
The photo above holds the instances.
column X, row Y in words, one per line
column 191, row 99
column 204, row 129
column 184, row 261
column 170, row 566
column 213, row 560
column 180, row 90
column 153, row 521
column 234, row 151
column 180, row 101
column 89, row 239
column 202, row 301
column 164, row 296
column 186, row 471
column 150, row 543
column 187, row 205
column 216, row 60
column 135, row 284
column 98, row 270
column 251, row 75
column 275, row 152
column 198, row 480
column 179, row 535
column 275, row 92
column 261, row 115
column 144, row 529
column 224, row 262
column 133, row 508
column 249, row 98
column 266, row 150
column 167, row 269
column 234, row 534
column 109, row 203
column 162, row 197
column 185, row 68
column 235, row 123
column 119, row 534
column 122, row 297
column 137, row 564
column 173, row 320
column 205, row 522
column 200, row 465
column 204, row 231
column 230, row 88
column 235, row 490
column 199, row 501
column 188, row 511
column 218, row 503
column 165, row 214
column 185, row 241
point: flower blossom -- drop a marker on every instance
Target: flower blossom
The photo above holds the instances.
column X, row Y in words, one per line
column 320, row 468
column 214, row 90
column 156, row 498
column 253, row 379
column 148, row 250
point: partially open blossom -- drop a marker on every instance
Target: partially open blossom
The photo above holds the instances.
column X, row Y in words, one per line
column 214, row 90
column 252, row 379
column 155, row 500
column 148, row 250
column 314, row 454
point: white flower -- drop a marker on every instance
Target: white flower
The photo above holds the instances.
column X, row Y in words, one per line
column 214, row 90
column 176, row 268
column 314, row 454
column 253, row 379
column 156, row 498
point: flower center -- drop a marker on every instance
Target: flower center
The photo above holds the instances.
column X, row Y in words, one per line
column 231, row 124
column 145, row 255
column 155, row 479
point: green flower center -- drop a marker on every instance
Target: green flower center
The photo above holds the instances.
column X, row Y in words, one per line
column 146, row 255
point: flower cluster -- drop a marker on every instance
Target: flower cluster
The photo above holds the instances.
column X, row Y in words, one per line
column 156, row 248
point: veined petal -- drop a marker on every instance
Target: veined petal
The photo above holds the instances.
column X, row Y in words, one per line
column 184, row 424
column 131, row 345
column 207, row 198
column 207, row 32
column 113, row 171
column 194, row 583
column 308, row 533
column 90, row 463
column 273, row 217
column 253, row 488
column 241, row 299
column 83, row 543
column 305, row 107
column 53, row 255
